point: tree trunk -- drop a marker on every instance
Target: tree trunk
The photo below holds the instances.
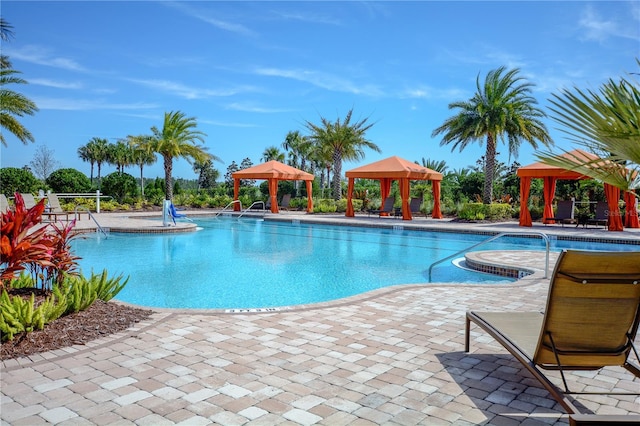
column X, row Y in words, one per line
column 489, row 169
column 168, row 187
column 141, row 181
column 337, row 172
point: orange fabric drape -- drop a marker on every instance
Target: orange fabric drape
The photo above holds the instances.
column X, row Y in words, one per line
column 309, row 197
column 613, row 195
column 631, row 210
column 273, row 193
column 350, row 212
column 385, row 188
column 525, row 215
column 549, row 190
column 236, row 192
column 436, row 214
column 404, row 194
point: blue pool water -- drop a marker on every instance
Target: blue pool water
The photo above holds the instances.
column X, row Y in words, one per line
column 247, row 263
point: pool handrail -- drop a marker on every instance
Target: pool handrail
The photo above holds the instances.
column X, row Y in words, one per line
column 249, row 208
column 227, row 206
column 544, row 236
column 77, row 215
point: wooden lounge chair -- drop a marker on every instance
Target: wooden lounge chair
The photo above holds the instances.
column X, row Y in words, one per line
column 386, row 208
column 602, row 214
column 286, row 199
column 564, row 213
column 415, row 204
column 590, row 321
column 28, row 199
column 4, row 204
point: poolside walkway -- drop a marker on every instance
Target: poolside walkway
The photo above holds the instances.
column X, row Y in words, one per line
column 391, row 356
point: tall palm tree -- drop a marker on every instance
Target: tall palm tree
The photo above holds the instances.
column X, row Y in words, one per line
column 501, row 108
column 607, row 123
column 178, row 139
column 120, row 155
column 14, row 105
column 141, row 155
column 98, row 150
column 6, row 32
column 84, row 152
column 344, row 141
column 272, row 153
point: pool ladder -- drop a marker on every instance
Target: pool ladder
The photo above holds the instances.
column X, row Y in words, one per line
column 77, row 211
column 242, row 211
column 544, row 236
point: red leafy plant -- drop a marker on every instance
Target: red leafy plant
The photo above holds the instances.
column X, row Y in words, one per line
column 44, row 250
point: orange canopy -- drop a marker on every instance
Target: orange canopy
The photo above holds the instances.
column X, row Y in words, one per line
column 550, row 174
column 395, row 168
column 272, row 171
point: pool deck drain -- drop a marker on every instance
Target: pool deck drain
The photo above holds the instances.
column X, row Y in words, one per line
column 390, row 356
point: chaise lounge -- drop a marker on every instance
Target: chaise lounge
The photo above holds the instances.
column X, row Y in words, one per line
column 590, row 322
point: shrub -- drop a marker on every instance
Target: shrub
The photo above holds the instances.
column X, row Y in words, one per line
column 119, row 185
column 324, row 205
column 68, row 180
column 19, row 315
column 14, row 180
column 479, row 211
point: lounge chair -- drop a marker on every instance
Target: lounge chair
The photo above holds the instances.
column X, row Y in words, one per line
column 286, row 199
column 174, row 214
column 590, row 321
column 54, row 208
column 602, row 214
column 564, row 212
column 415, row 204
column 386, row 208
column 28, row 199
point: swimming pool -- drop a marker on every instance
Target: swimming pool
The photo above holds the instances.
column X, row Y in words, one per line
column 249, row 263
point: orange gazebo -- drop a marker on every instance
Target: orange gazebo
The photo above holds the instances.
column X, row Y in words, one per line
column 550, row 174
column 395, row 168
column 272, row 171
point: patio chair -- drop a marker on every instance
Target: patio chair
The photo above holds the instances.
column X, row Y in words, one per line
column 28, row 199
column 602, row 214
column 175, row 214
column 414, row 205
column 54, row 208
column 564, row 212
column 4, row 204
column 590, row 321
column 386, row 208
column 286, row 199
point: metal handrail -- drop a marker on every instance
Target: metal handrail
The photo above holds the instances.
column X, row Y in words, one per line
column 544, row 236
column 227, row 206
column 249, row 208
column 77, row 215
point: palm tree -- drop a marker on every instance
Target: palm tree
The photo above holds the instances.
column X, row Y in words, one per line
column 98, row 150
column 141, row 155
column 13, row 105
column 438, row 166
column 608, row 124
column 177, row 139
column 343, row 141
column 6, row 32
column 84, row 153
column 502, row 107
column 119, row 154
column 272, row 153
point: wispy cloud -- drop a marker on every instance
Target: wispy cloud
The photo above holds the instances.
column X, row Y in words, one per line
column 55, row 84
column 189, row 92
column 249, row 107
column 41, row 56
column 322, row 80
column 226, row 123
column 596, row 27
column 428, row 92
column 308, row 18
column 87, row 104
column 205, row 16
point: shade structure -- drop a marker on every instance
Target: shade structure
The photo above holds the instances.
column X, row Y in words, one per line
column 395, row 168
column 550, row 174
column 272, row 171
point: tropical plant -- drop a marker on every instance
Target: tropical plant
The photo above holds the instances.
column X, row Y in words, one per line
column 97, row 149
column 13, row 179
column 141, row 155
column 272, row 153
column 341, row 140
column 120, row 155
column 607, row 123
column 6, row 33
column 14, row 105
column 119, row 185
column 177, row 139
column 68, row 180
column 501, row 108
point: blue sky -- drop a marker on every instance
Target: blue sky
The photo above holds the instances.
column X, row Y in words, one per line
column 252, row 71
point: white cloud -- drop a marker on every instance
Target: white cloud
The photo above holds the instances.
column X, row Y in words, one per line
column 598, row 28
column 322, row 80
column 86, row 104
column 55, row 84
column 41, row 56
column 247, row 107
column 218, row 23
column 189, row 92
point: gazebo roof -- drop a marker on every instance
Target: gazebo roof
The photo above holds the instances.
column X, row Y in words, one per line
column 540, row 170
column 394, row 168
column 270, row 170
